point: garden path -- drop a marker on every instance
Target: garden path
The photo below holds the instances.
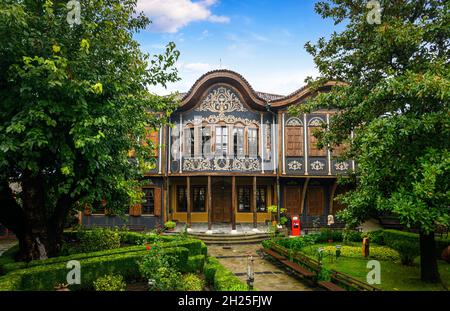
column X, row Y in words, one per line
column 268, row 277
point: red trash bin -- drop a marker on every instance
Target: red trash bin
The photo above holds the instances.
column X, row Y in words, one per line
column 295, row 225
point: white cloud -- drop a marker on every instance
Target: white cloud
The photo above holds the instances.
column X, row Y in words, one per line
column 171, row 15
column 197, row 67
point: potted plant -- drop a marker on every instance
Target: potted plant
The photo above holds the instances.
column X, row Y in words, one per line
column 170, row 225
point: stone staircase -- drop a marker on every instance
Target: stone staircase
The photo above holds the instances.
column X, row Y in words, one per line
column 228, row 239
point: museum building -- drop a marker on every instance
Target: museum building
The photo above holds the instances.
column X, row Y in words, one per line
column 229, row 154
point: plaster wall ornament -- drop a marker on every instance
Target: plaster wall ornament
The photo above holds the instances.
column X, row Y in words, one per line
column 222, row 164
column 316, row 122
column 341, row 166
column 221, row 100
column 317, row 166
column 229, row 119
column 295, row 166
column 246, row 165
column 200, row 164
column 294, row 122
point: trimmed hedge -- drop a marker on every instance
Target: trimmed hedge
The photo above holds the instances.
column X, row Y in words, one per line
column 194, row 247
column 221, row 278
column 45, row 277
column 8, row 256
column 195, row 263
column 408, row 244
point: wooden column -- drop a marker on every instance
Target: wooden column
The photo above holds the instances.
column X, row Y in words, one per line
column 188, row 198
column 276, row 189
column 209, row 202
column 233, row 203
column 333, row 191
column 255, row 214
column 305, row 188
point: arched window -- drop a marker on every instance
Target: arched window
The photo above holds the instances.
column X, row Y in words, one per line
column 315, row 125
column 294, row 137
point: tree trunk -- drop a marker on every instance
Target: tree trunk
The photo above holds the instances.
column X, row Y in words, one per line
column 37, row 225
column 428, row 262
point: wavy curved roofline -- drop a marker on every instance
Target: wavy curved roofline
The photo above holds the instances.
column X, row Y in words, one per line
column 253, row 97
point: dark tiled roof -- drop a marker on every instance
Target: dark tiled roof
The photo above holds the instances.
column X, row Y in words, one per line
column 268, row 96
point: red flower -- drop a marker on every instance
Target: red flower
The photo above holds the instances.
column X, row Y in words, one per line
column 148, row 247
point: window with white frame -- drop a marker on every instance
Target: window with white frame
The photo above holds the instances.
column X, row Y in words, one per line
column 238, row 140
column 252, row 142
column 221, row 141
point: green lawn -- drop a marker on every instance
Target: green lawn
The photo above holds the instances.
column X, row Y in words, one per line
column 394, row 276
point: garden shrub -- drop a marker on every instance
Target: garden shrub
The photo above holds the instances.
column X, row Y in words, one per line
column 195, row 263
column 327, row 234
column 378, row 252
column 165, row 279
column 324, row 274
column 376, row 237
column 98, row 239
column 23, row 265
column 162, row 268
column 110, row 283
column 221, row 278
column 192, row 282
column 296, row 243
column 8, row 257
column 195, row 247
column 412, row 240
column 351, row 236
column 405, row 243
column 137, row 238
column 45, row 277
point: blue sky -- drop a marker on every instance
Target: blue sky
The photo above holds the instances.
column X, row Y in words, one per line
column 261, row 39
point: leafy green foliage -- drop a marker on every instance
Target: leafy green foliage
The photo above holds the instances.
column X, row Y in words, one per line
column 192, row 282
column 376, row 252
column 395, row 100
column 196, row 263
column 110, row 283
column 405, row 243
column 98, row 239
column 393, row 96
column 170, row 224
column 73, row 102
column 376, row 237
column 351, row 236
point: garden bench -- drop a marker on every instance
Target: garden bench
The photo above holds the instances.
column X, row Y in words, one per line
column 274, row 254
column 297, row 268
column 351, row 282
column 310, row 264
column 331, row 286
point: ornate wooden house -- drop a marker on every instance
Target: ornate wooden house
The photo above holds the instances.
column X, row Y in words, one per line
column 230, row 154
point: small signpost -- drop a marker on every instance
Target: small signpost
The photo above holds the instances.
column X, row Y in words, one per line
column 250, row 272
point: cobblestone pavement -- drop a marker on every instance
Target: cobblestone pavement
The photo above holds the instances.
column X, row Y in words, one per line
column 5, row 244
column 268, row 277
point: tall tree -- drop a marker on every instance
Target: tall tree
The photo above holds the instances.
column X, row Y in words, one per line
column 73, row 101
column 395, row 98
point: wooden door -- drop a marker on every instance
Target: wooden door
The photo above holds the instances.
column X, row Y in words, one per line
column 315, row 201
column 293, row 199
column 221, row 203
